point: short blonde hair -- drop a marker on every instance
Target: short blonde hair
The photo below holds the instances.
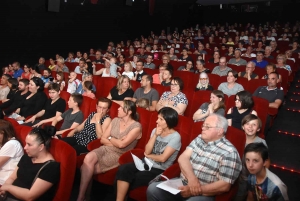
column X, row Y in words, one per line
column 61, row 60
column 130, row 66
column 283, row 57
column 143, row 103
column 120, row 81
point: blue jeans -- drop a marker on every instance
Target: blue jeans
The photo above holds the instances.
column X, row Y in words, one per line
column 157, row 194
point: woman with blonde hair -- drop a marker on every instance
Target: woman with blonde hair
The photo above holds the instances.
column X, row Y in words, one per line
column 203, row 84
column 122, row 90
column 281, row 63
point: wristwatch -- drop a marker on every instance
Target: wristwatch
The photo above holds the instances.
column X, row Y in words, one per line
column 109, row 138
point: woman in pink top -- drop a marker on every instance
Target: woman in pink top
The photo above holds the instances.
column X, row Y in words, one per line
column 88, row 89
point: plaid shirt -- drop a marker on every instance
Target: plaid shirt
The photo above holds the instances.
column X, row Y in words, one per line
column 214, row 161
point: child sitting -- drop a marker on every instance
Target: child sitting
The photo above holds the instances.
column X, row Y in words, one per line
column 73, row 83
column 88, row 89
column 127, row 70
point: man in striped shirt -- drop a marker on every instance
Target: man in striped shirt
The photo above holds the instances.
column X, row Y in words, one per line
column 209, row 165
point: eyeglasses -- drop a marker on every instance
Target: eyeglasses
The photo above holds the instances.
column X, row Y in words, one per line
column 203, row 78
column 208, row 127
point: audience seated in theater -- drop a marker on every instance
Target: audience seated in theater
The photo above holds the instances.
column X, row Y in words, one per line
column 259, row 47
column 98, row 59
column 251, row 124
column 17, row 70
column 281, row 63
column 203, row 83
column 222, row 69
column 271, row 92
column 172, row 54
column 184, row 56
column 269, row 69
column 259, row 62
column 122, row 90
column 148, row 63
column 147, row 92
column 200, row 50
column 261, row 178
column 72, row 117
column 231, row 87
column 217, row 178
column 243, row 106
column 60, row 80
column 22, row 183
column 92, row 128
column 54, row 106
column 161, row 150
column 139, row 73
column 88, row 91
column 26, row 74
column 157, row 78
column 121, row 135
column 85, row 56
column 41, row 64
column 70, row 57
column 274, row 48
column 288, row 55
column 249, row 53
column 167, row 77
column 34, row 72
column 11, row 150
column 268, row 50
column 73, row 83
column 248, row 73
column 14, row 103
column 47, row 78
column 216, row 105
column 78, row 56
column 237, row 60
column 4, row 89
column 295, row 47
column 34, row 102
column 61, row 67
column 188, row 67
column 175, row 98
column 216, row 58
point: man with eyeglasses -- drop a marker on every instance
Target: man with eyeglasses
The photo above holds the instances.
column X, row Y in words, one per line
column 222, row 69
column 98, row 59
column 271, row 92
column 209, row 165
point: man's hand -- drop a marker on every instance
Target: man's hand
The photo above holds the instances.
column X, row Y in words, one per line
column 185, row 191
column 194, row 186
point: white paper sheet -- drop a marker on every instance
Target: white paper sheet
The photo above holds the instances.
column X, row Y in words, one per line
column 139, row 163
column 171, row 186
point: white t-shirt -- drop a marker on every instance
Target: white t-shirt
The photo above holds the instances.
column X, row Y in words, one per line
column 72, row 86
column 129, row 74
column 14, row 150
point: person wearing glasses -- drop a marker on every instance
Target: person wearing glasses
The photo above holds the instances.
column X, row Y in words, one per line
column 262, row 183
column 161, row 150
column 281, row 63
column 91, row 129
column 22, row 185
column 203, row 83
column 121, row 136
column 175, row 98
column 216, row 105
column 250, row 67
column 209, row 165
column 243, row 106
column 222, row 69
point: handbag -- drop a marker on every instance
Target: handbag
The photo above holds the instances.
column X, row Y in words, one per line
column 5, row 198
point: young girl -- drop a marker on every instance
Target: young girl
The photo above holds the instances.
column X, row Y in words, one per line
column 60, row 80
column 127, row 70
column 88, row 89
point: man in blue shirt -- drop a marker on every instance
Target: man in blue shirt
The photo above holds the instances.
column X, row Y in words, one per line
column 259, row 62
column 17, row 70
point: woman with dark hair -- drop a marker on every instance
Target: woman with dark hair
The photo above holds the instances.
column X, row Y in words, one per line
column 175, row 98
column 11, row 150
column 34, row 70
column 243, row 106
column 161, row 151
column 92, row 128
column 35, row 101
column 22, row 184
column 216, row 58
column 88, row 89
column 26, row 74
column 231, row 87
column 121, row 135
column 12, row 83
column 200, row 66
column 85, row 56
column 216, row 105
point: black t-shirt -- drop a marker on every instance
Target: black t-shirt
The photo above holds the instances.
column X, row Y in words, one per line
column 139, row 75
column 115, row 94
column 209, row 88
column 15, row 103
column 28, row 170
column 165, row 84
column 34, row 104
column 50, row 109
